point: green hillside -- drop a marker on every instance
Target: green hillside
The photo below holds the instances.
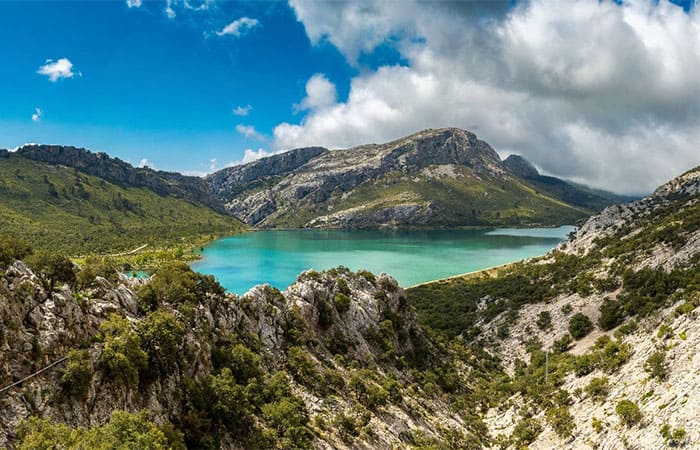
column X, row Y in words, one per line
column 61, row 209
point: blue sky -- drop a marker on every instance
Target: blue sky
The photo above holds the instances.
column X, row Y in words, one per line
column 148, row 86
column 603, row 92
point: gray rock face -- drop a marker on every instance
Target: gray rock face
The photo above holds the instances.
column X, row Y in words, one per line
column 229, row 181
column 520, row 166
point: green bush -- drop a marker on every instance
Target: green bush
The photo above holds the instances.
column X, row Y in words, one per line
column 526, row 431
column 302, row 366
column 161, row 337
column 52, row 268
column 598, row 389
column 12, row 248
column 122, row 357
column 561, row 421
column 95, row 267
column 611, row 314
column 123, row 431
column 342, row 302
column 580, row 325
column 288, row 417
column 673, row 437
column 544, row 321
column 655, row 365
column 628, row 412
column 77, row 375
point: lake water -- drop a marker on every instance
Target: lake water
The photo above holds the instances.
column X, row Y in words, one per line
column 277, row 257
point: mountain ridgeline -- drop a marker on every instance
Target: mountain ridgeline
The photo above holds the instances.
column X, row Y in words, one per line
column 434, row 178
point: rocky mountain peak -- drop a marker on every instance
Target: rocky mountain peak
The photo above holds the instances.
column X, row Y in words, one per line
column 520, row 166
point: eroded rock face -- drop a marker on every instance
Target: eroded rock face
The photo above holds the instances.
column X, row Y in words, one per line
column 39, row 328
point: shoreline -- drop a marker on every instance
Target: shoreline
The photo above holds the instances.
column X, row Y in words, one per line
column 467, row 274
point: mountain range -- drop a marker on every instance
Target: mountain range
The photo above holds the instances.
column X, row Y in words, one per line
column 435, row 178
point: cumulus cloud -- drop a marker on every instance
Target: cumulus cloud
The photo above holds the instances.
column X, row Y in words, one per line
column 320, row 92
column 239, row 27
column 56, row 70
column 252, row 155
column 596, row 91
column 249, row 132
column 38, row 114
column 242, row 110
column 134, row 3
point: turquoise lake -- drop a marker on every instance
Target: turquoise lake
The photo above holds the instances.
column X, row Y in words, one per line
column 277, row 257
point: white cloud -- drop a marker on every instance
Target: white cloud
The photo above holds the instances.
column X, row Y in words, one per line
column 56, row 70
column 249, row 132
column 252, row 155
column 134, row 3
column 146, row 163
column 320, row 92
column 169, row 11
column 38, row 114
column 242, row 110
column 213, row 165
column 239, row 27
column 602, row 92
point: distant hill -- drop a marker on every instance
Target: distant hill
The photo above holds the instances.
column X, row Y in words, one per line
column 434, row 178
column 572, row 193
column 80, row 202
column 122, row 173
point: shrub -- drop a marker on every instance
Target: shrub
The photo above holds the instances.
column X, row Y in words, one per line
column 526, row 431
column 655, row 365
column 560, row 419
column 161, row 338
column 11, row 249
column 580, row 325
column 673, row 437
column 629, row 412
column 562, row 344
column 342, row 302
column 544, row 321
column 342, row 285
column 302, row 366
column 77, row 374
column 597, row 389
column 611, row 314
column 289, row 417
column 95, row 267
column 325, row 313
column 122, row 356
column 52, row 268
column 124, row 430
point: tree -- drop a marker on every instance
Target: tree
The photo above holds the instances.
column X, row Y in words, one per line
column 122, row 356
column 629, row 412
column 52, row 268
column 580, row 325
column 12, row 248
column 77, row 374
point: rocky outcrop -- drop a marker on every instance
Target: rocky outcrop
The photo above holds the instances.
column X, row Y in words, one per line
column 520, row 166
column 39, row 328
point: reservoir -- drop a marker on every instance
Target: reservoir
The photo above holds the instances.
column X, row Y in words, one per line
column 276, row 257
